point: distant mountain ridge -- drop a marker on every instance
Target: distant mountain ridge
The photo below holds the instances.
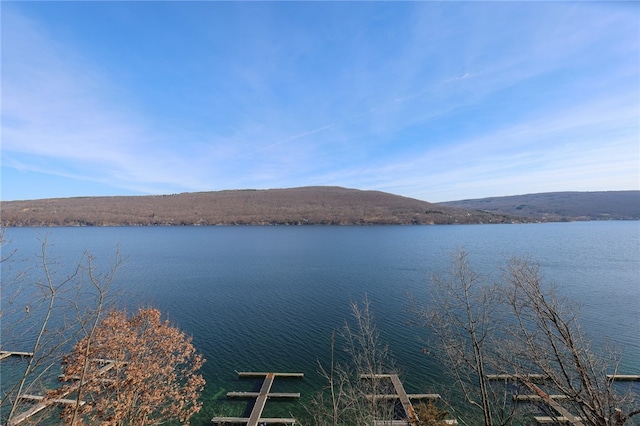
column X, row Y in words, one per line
column 293, row 206
column 555, row 206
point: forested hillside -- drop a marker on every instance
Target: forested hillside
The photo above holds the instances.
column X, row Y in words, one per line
column 316, row 205
column 296, row 206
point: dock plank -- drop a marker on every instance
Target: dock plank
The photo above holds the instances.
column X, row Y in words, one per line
column 574, row 420
column 624, row 377
column 377, row 376
column 529, row 377
column 411, row 417
column 7, row 354
column 244, row 420
column 410, row 395
column 257, row 394
column 404, row 398
column 537, row 397
column 551, row 420
column 401, row 393
column 264, row 374
column 45, row 403
column 60, row 401
column 261, row 401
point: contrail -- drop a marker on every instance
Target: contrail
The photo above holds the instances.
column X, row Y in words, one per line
column 291, row 138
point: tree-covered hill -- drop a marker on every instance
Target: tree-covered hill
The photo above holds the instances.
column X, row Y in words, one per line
column 315, row 205
column 306, row 205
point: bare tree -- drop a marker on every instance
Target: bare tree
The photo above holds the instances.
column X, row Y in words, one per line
column 46, row 308
column 463, row 314
column 49, row 307
column 348, row 397
column 548, row 339
column 151, row 372
column 89, row 317
column 516, row 327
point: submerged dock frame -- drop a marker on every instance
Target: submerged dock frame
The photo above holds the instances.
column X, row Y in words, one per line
column 261, row 400
column 410, row 415
column 539, row 395
column 43, row 402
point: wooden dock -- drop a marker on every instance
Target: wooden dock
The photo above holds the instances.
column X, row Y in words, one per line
column 410, row 415
column 564, row 413
column 43, row 402
column 539, row 395
column 261, row 398
column 261, row 401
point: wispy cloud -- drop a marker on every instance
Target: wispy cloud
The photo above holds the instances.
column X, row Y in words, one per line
column 589, row 147
column 62, row 116
column 290, row 139
column 434, row 100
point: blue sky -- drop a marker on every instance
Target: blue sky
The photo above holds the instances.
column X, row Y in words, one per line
column 433, row 100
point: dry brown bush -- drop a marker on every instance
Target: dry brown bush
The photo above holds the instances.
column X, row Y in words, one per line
column 154, row 379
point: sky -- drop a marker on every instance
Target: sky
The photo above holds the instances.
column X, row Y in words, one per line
column 437, row 101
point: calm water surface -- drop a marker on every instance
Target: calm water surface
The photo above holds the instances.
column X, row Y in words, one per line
column 267, row 298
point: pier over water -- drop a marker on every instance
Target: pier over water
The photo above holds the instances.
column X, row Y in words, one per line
column 261, row 400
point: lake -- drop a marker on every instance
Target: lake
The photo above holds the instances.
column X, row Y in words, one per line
column 268, row 298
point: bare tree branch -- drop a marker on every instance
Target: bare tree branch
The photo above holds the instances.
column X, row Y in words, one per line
column 518, row 327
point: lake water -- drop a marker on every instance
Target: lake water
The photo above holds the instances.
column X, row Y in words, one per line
column 268, row 298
